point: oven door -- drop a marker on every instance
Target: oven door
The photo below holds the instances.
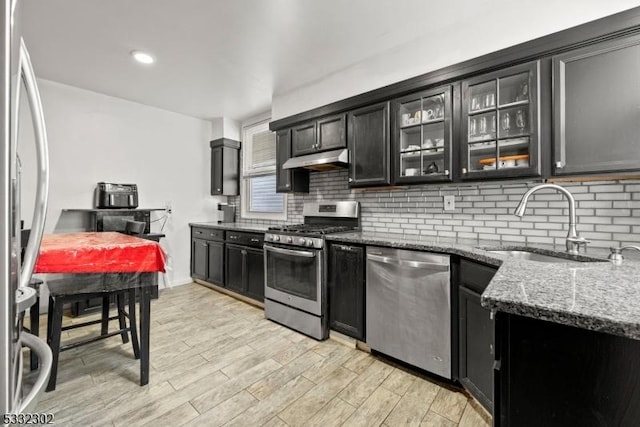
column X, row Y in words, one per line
column 294, row 277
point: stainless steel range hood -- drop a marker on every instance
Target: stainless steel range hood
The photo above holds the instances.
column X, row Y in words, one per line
column 327, row 160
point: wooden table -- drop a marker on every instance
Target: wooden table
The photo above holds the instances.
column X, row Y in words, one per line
column 112, row 254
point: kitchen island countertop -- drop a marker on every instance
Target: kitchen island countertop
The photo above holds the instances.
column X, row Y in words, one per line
column 598, row 296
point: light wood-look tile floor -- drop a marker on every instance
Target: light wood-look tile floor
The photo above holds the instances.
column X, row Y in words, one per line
column 217, row 361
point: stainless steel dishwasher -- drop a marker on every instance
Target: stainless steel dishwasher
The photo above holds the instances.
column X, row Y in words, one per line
column 409, row 307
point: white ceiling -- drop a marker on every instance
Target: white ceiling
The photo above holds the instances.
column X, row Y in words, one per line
column 228, row 58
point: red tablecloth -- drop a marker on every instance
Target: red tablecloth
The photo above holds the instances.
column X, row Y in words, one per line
column 106, row 252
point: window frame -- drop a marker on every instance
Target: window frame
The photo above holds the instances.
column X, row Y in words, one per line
column 248, row 173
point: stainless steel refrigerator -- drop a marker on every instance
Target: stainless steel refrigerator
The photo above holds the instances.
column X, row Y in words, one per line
column 18, row 84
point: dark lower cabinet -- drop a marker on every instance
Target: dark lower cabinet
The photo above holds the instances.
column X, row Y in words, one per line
column 234, row 268
column 216, row 263
column 475, row 333
column 255, row 273
column 244, row 264
column 199, row 259
column 346, row 283
column 556, row 375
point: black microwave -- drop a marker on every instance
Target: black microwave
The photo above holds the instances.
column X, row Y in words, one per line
column 116, row 220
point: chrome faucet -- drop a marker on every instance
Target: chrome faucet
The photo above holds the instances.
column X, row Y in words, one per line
column 573, row 240
column 616, row 253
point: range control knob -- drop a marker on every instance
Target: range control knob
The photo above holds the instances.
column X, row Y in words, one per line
column 276, row 238
column 289, row 240
column 268, row 237
column 302, row 241
column 309, row 242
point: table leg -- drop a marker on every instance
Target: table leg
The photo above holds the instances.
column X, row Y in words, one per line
column 34, row 320
column 145, row 323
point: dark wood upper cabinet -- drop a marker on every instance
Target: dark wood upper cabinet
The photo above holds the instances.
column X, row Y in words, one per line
column 331, row 133
column 303, row 140
column 422, row 136
column 499, row 128
column 324, row 134
column 288, row 180
column 596, row 108
column 225, row 156
column 368, row 140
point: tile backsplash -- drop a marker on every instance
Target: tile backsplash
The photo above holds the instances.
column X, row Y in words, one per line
column 608, row 212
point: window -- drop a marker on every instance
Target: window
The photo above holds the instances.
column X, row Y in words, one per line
column 259, row 197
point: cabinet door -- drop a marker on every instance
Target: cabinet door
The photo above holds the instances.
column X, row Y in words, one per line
column 288, row 180
column 476, row 347
column 216, row 171
column 215, row 272
column 303, row 139
column 331, row 133
column 368, row 140
column 234, row 267
column 199, row 259
column 346, row 290
column 500, row 124
column 596, row 115
column 421, row 126
column 254, row 274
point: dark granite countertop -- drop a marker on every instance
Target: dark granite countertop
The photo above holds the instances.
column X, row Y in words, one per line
column 237, row 226
column 593, row 295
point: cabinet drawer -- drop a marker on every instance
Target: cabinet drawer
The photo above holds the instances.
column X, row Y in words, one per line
column 207, row 233
column 475, row 276
column 247, row 239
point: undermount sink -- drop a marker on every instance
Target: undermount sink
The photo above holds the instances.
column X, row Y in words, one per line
column 534, row 256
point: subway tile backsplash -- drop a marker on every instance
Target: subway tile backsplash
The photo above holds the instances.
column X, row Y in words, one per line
column 608, row 212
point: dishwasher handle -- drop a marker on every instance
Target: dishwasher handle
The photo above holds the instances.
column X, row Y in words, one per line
column 407, row 263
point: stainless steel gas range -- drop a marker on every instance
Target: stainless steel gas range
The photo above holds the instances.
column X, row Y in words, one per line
column 294, row 255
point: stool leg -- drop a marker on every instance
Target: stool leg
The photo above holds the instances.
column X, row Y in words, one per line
column 133, row 325
column 121, row 319
column 105, row 315
column 55, row 319
column 49, row 319
column 34, row 327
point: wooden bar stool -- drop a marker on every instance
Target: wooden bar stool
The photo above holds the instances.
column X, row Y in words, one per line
column 64, row 291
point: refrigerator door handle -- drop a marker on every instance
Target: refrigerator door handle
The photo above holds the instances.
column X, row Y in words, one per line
column 42, row 189
column 45, row 357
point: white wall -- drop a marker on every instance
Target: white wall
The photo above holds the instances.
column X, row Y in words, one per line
column 483, row 27
column 94, row 137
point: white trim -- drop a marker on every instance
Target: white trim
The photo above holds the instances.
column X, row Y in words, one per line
column 257, row 124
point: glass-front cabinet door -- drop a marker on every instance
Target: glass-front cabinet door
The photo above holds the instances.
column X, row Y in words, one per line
column 499, row 126
column 422, row 136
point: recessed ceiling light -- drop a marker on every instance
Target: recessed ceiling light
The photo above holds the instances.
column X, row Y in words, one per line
column 142, row 57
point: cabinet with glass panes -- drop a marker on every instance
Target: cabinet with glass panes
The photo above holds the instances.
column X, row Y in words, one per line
column 422, row 136
column 499, row 126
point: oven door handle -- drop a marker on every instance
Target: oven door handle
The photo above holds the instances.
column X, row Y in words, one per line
column 304, row 254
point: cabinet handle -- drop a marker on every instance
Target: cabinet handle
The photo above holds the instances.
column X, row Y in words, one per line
column 446, row 172
column 464, row 171
column 198, row 232
column 217, row 189
column 255, row 240
column 559, row 165
column 350, row 179
column 345, row 248
column 287, row 185
column 491, row 349
column 233, row 237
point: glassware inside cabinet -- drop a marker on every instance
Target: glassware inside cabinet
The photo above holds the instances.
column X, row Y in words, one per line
column 513, row 121
column 514, row 89
column 433, row 108
column 482, row 127
column 410, row 113
column 482, row 96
